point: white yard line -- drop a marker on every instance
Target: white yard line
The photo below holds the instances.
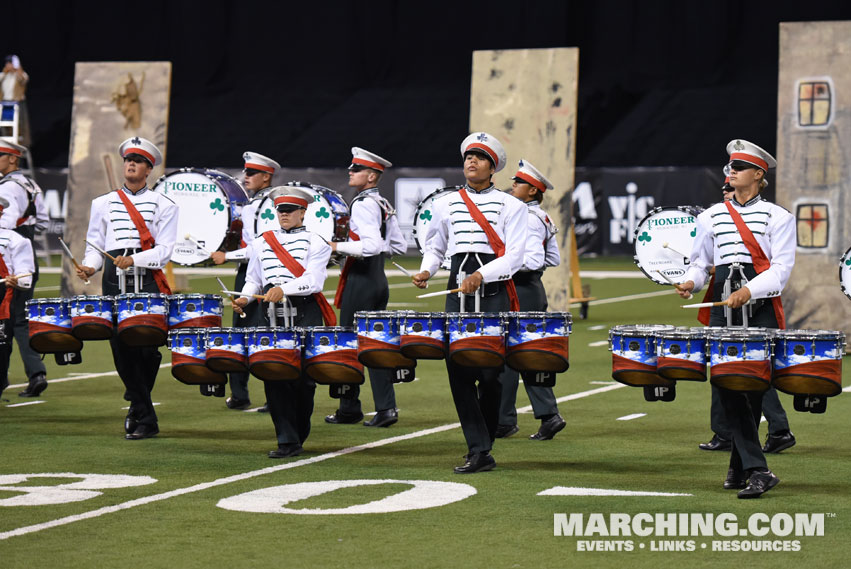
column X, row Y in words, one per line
column 598, row 344
column 255, row 473
column 76, row 377
column 631, row 417
column 27, row 403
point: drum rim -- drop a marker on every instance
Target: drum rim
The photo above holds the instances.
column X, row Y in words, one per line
column 642, row 327
column 809, row 334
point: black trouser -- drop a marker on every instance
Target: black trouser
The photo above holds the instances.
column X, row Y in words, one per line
column 6, row 338
column 291, row 402
column 136, row 366
column 239, row 380
column 737, row 414
column 366, row 289
column 33, row 363
column 533, row 298
column 476, row 392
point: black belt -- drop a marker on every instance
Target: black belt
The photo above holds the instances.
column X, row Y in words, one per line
column 525, row 277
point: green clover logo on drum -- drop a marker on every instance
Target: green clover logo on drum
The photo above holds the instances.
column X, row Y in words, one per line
column 267, row 214
column 323, row 212
column 693, row 232
column 217, row 205
column 426, row 215
column 645, row 237
column 848, row 261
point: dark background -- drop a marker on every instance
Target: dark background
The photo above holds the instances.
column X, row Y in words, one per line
column 662, row 83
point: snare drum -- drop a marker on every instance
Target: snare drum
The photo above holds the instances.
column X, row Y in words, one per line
column 274, row 354
column 682, row 353
column 50, row 326
column 331, row 355
column 663, row 241
column 423, row 335
column 188, row 358
column 194, row 311
column 634, row 354
column 327, row 215
column 209, row 204
column 379, row 342
column 740, row 358
column 538, row 341
column 476, row 339
column 808, row 362
column 226, row 350
column 142, row 318
column 91, row 317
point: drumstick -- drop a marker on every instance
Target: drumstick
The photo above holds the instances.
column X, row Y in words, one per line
column 200, row 247
column 439, row 293
column 676, row 286
column 403, row 269
column 222, row 284
column 101, row 251
column 22, row 275
column 666, row 246
column 73, row 260
column 234, row 293
column 706, row 304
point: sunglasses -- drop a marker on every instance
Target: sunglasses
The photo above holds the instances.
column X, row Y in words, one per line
column 249, row 172
column 287, row 208
column 355, row 168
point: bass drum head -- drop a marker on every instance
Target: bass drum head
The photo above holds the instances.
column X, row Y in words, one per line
column 209, row 201
column 845, row 273
column 422, row 218
column 663, row 241
column 327, row 215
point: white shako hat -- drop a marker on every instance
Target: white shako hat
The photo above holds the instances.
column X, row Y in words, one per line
column 143, row 147
column 254, row 161
column 530, row 175
column 751, row 153
column 291, row 195
column 8, row 146
column 486, row 144
column 361, row 157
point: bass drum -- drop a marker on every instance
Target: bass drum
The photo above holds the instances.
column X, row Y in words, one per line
column 210, row 204
column 422, row 218
column 845, row 273
column 663, row 241
column 327, row 216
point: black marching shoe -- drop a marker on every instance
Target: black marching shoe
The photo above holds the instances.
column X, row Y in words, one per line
column 237, row 404
column 549, row 428
column 142, row 431
column 717, row 443
column 505, row 431
column 4, row 383
column 776, row 443
column 286, row 450
column 131, row 421
column 476, row 462
column 383, row 418
column 758, row 484
column 343, row 418
column 736, row 480
column 38, row 383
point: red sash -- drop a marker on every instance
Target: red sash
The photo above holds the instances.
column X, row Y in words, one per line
column 7, row 294
column 495, row 242
column 146, row 240
column 344, row 273
column 297, row 270
column 760, row 261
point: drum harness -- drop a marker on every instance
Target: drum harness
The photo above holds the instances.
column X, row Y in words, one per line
column 741, row 281
column 460, row 279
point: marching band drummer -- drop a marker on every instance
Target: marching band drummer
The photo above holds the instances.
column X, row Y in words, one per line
column 760, row 236
column 138, row 227
column 257, row 177
column 289, row 265
column 373, row 233
column 26, row 215
column 478, row 223
column 16, row 258
column 541, row 252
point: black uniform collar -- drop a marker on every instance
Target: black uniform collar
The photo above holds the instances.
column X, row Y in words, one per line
column 129, row 191
column 750, row 202
column 298, row 229
column 486, row 190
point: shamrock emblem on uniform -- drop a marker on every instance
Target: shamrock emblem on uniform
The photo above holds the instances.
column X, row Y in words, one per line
column 645, row 237
column 426, row 215
column 323, row 212
column 693, row 232
column 267, row 214
column 136, row 141
column 217, row 205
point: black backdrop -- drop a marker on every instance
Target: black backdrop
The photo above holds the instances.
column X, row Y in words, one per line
column 664, row 82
